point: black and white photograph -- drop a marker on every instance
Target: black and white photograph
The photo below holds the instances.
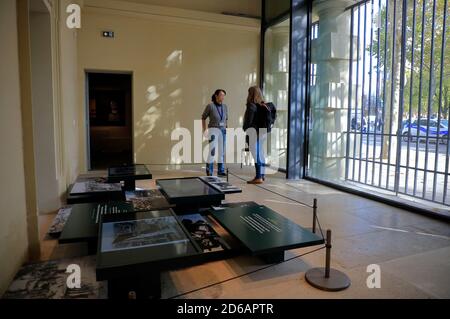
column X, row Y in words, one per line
column 203, row 233
column 146, row 199
column 94, row 187
column 141, row 233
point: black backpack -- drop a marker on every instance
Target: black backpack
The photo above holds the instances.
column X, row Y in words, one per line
column 266, row 117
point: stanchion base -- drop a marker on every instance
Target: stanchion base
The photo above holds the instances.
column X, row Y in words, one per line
column 336, row 282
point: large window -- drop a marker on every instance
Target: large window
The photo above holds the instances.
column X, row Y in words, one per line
column 275, row 65
column 276, row 86
column 379, row 98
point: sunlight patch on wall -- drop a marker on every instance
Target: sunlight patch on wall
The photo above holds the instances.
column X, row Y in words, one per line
column 175, row 58
column 176, row 93
column 151, row 94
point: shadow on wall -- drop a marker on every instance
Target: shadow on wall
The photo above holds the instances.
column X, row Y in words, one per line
column 168, row 106
column 163, row 105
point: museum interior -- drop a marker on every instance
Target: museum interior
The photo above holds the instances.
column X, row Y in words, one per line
column 114, row 188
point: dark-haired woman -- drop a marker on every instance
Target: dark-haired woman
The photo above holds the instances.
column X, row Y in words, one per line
column 217, row 112
column 256, row 132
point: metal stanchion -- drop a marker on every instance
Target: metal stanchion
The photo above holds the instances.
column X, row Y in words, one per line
column 314, row 215
column 228, row 173
column 327, row 278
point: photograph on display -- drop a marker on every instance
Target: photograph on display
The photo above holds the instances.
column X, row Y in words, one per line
column 225, row 187
column 146, row 199
column 203, row 233
column 211, row 179
column 93, row 186
column 220, row 184
column 150, row 232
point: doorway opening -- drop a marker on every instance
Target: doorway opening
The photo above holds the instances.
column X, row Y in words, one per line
column 110, row 128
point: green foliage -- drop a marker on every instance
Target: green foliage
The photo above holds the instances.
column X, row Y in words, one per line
column 429, row 56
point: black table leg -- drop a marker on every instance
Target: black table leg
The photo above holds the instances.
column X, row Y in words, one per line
column 92, row 247
column 130, row 185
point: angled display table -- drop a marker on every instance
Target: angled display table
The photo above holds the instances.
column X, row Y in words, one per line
column 128, row 174
column 264, row 232
column 82, row 224
column 134, row 248
column 92, row 190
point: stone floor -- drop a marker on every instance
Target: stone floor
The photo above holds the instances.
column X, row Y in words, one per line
column 413, row 251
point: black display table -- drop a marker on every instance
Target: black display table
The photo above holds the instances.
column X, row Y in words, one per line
column 82, row 224
column 129, row 175
column 264, row 232
column 94, row 190
column 133, row 248
column 189, row 192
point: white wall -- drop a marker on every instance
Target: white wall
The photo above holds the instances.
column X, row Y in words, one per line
column 13, row 223
column 43, row 119
column 71, row 105
column 177, row 62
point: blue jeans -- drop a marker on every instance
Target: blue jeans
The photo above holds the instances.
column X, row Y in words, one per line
column 221, row 153
column 258, row 154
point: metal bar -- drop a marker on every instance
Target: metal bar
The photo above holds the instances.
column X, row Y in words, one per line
column 360, row 3
column 410, row 93
column 349, row 113
column 441, row 78
column 356, row 89
column 422, row 45
column 402, row 166
column 401, row 97
column 328, row 254
column 314, row 215
column 430, row 96
column 391, row 109
column 446, row 163
column 387, row 134
column 382, row 199
column 362, row 88
column 377, row 92
column 447, row 157
column 370, row 92
column 384, row 85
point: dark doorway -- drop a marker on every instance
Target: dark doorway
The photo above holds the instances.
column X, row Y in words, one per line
column 110, row 119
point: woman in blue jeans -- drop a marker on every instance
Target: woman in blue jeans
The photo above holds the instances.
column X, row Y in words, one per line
column 217, row 112
column 256, row 131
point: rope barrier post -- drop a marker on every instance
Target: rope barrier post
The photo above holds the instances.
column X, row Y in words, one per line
column 314, row 215
column 328, row 254
column 228, row 173
column 327, row 278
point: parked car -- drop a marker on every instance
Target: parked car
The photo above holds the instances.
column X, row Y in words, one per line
column 411, row 131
